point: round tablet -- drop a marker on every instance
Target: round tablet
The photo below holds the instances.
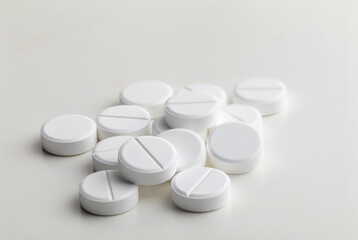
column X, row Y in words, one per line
column 147, row 160
column 241, row 113
column 235, row 148
column 201, row 189
column 67, row 135
column 267, row 95
column 123, row 120
column 159, row 125
column 106, row 193
column 196, row 111
column 212, row 89
column 189, row 146
column 151, row 95
column 105, row 153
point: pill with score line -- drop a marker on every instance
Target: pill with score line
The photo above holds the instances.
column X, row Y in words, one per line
column 147, row 160
column 106, row 193
column 123, row 120
column 196, row 111
column 201, row 189
column 267, row 95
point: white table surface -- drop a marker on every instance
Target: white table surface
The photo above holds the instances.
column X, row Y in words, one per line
column 60, row 57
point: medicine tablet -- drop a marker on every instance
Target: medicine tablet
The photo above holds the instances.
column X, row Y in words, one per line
column 106, row 193
column 235, row 148
column 105, row 153
column 123, row 120
column 147, row 160
column 190, row 147
column 212, row 89
column 267, row 95
column 201, row 189
column 196, row 111
column 241, row 113
column 151, row 95
column 67, row 135
column 159, row 125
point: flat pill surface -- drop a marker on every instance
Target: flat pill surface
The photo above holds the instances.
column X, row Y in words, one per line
column 151, row 95
column 267, row 95
column 196, row 111
column 159, row 125
column 201, row 189
column 123, row 120
column 189, row 145
column 67, row 135
column 147, row 160
column 105, row 153
column 241, row 113
column 212, row 89
column 106, row 193
column 235, row 148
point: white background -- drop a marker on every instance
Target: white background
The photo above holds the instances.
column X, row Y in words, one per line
column 74, row 56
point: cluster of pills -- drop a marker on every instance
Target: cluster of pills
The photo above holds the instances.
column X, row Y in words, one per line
column 156, row 135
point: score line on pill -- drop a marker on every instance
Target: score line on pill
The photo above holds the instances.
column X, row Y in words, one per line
column 106, row 193
column 267, row 95
column 201, row 189
column 123, row 120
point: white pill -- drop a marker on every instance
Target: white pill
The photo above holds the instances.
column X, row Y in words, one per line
column 159, row 125
column 196, row 111
column 201, row 189
column 241, row 113
column 267, row 95
column 189, row 145
column 123, row 120
column 105, row 153
column 147, row 160
column 212, row 89
column 67, row 135
column 151, row 95
column 106, row 193
column 235, row 148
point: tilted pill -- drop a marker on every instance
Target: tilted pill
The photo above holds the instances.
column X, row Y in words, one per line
column 106, row 193
column 201, row 189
